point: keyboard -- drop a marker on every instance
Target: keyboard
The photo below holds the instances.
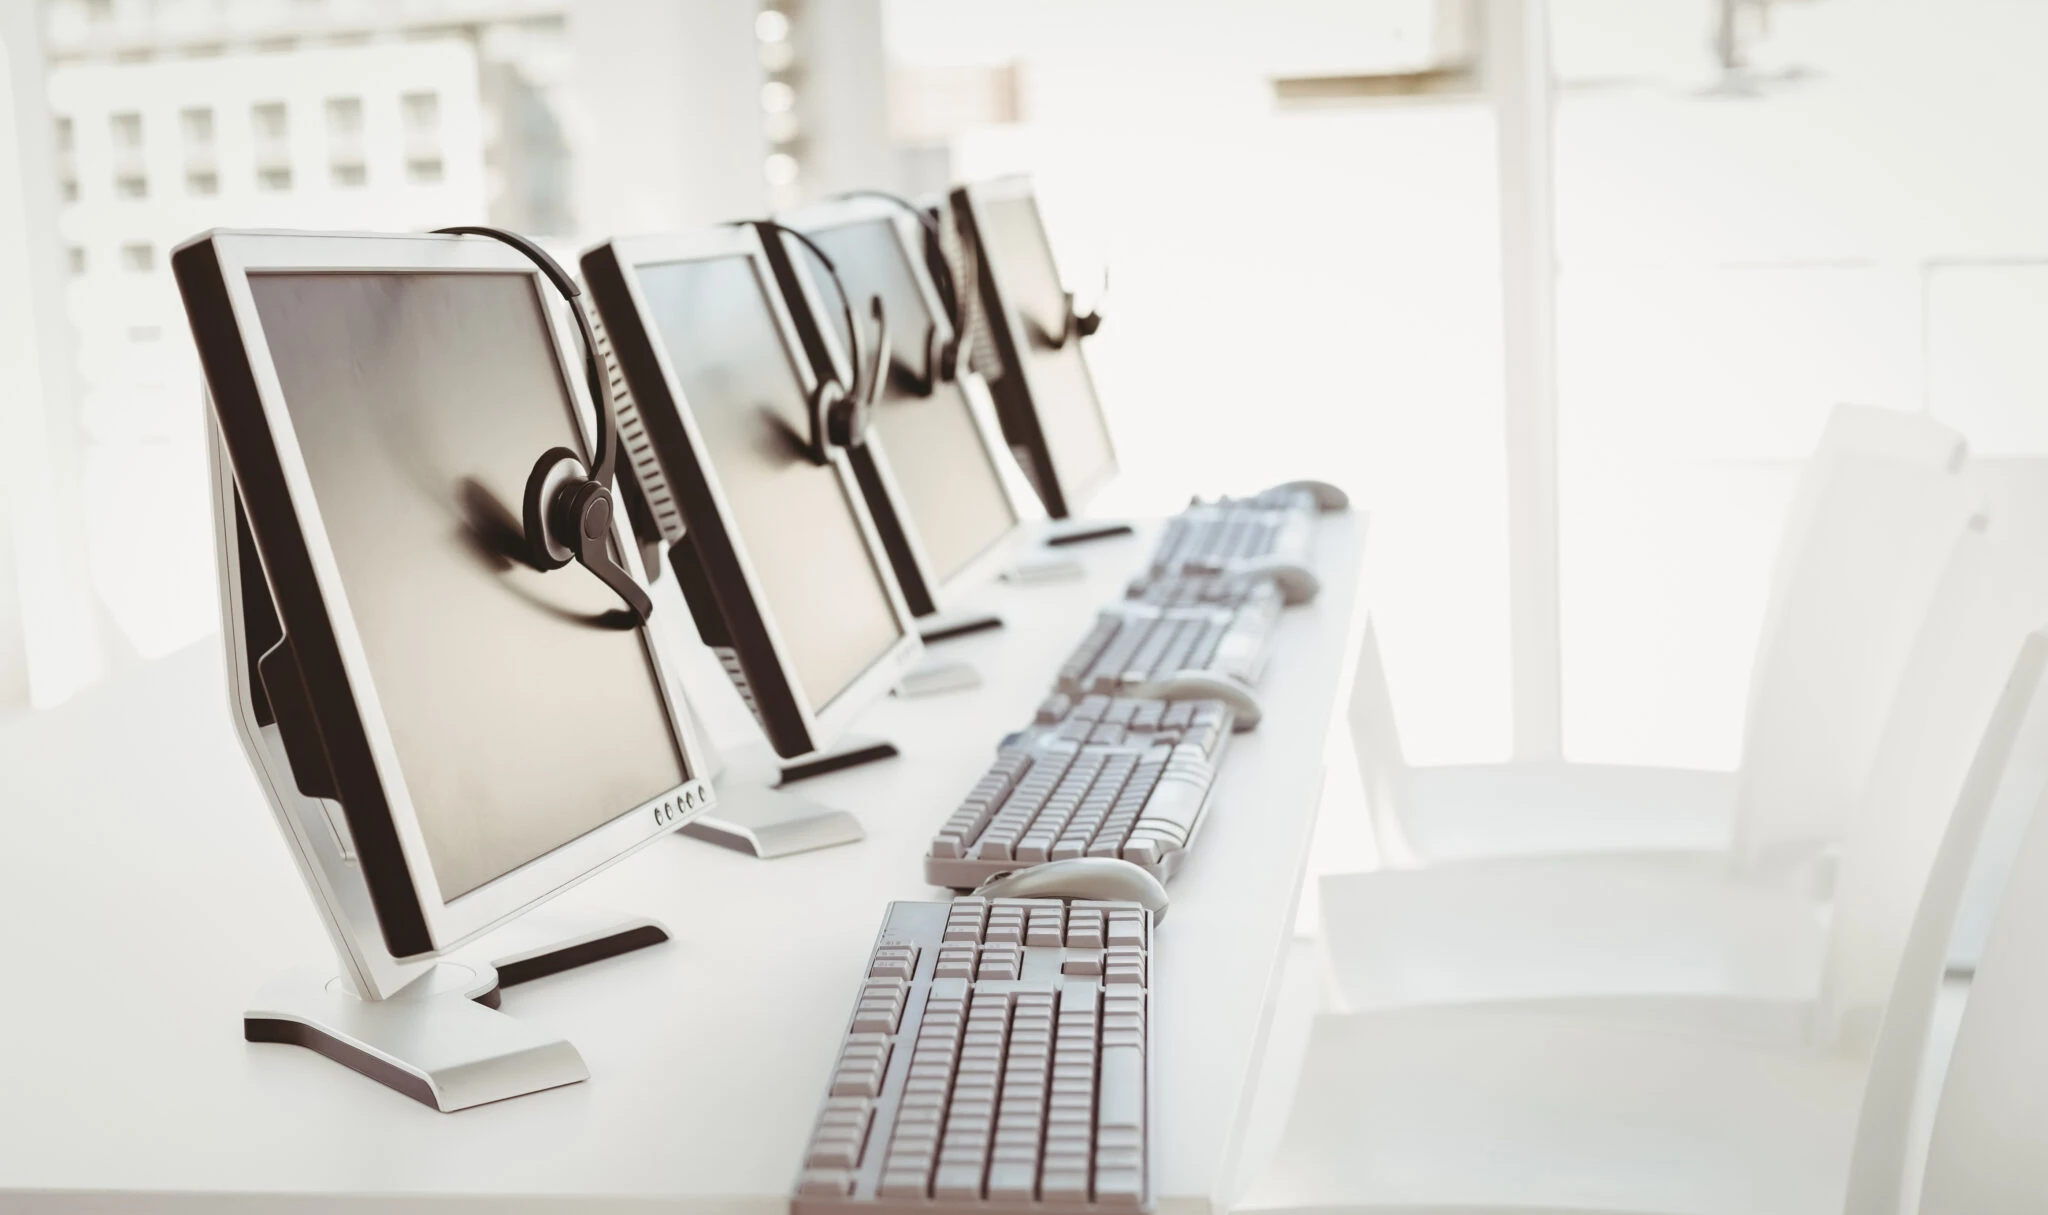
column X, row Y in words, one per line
column 1193, row 590
column 1101, row 776
column 1211, row 537
column 1133, row 643
column 998, row 1060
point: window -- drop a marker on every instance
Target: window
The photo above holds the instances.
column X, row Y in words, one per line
column 126, row 129
column 274, row 179
column 348, row 176
column 423, row 171
column 202, row 183
column 74, row 257
column 344, row 116
column 269, row 120
column 197, row 124
column 66, row 135
column 422, row 111
column 131, row 186
column 138, row 257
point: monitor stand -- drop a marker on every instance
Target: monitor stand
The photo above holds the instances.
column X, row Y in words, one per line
column 1049, row 567
column 754, row 815
column 934, row 676
column 440, row 1038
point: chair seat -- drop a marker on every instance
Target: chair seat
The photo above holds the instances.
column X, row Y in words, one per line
column 1443, row 1111
column 1568, row 927
column 1474, row 811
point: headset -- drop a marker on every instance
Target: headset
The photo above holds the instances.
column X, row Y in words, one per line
column 568, row 508
column 839, row 412
column 1075, row 324
column 942, row 360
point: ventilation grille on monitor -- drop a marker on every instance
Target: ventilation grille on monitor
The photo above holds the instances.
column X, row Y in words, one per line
column 634, row 441
column 981, row 343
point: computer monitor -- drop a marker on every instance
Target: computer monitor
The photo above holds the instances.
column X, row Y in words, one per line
column 448, row 735
column 776, row 554
column 933, row 470
column 1044, row 393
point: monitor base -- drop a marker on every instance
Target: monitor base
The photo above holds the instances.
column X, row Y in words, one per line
column 945, row 626
column 754, row 815
column 1049, row 568
column 929, row 678
column 441, row 1039
column 1081, row 531
column 769, row 823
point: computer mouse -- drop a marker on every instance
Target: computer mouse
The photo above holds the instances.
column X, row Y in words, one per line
column 1297, row 582
column 1328, row 497
column 1082, row 877
column 1204, row 685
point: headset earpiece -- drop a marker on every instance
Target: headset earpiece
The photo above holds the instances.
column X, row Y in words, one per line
column 556, row 470
column 827, row 405
column 846, row 413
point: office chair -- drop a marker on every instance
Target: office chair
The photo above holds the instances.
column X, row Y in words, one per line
column 1436, row 1111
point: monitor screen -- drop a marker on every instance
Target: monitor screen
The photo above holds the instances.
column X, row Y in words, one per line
column 797, row 523
column 1062, row 392
column 522, row 717
column 948, row 482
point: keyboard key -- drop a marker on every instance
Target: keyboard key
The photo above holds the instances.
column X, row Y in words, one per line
column 818, row 1183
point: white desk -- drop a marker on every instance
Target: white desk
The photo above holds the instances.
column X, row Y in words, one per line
column 145, row 895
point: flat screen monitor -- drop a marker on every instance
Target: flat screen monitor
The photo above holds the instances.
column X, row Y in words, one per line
column 780, row 560
column 1045, row 394
column 491, row 731
column 935, row 476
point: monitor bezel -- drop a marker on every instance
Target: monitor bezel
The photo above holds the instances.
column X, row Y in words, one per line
column 824, row 724
column 312, row 604
column 974, row 396
column 1062, row 500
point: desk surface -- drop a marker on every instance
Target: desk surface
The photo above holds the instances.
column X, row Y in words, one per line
column 145, row 895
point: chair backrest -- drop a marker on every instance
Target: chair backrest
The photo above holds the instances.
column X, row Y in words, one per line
column 1994, row 593
column 2018, row 725
column 1988, row 1154
column 1877, row 515
column 2016, row 487
column 1376, row 742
